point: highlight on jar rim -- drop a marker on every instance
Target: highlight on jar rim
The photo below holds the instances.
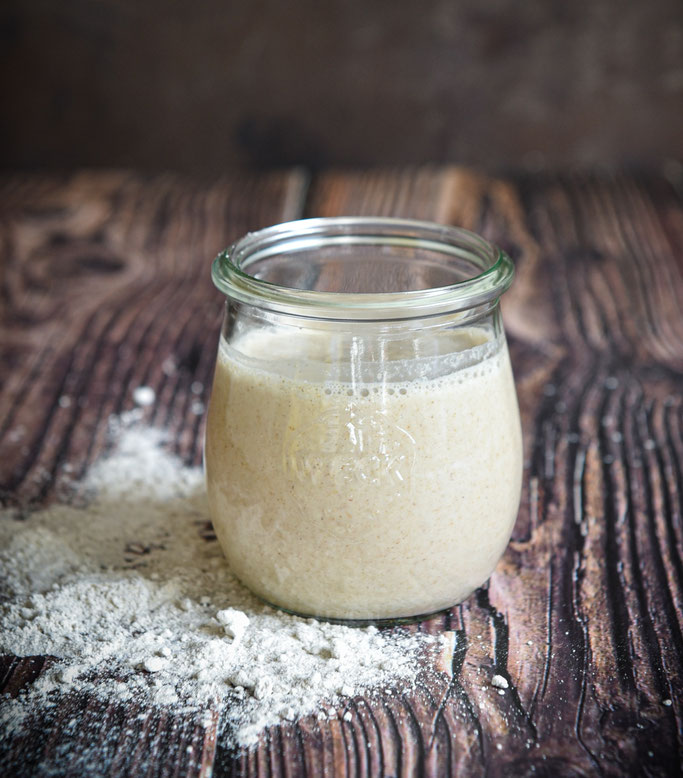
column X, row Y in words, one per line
column 363, row 448
column 491, row 269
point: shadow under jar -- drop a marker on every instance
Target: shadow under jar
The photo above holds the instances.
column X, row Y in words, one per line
column 363, row 446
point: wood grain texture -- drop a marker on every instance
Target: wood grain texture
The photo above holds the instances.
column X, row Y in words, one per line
column 104, row 279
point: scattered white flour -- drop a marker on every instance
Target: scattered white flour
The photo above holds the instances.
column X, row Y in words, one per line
column 500, row 682
column 144, row 395
column 127, row 587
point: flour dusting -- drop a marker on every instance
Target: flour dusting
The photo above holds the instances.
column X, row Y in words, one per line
column 127, row 587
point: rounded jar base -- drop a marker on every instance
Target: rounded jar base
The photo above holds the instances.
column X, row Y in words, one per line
column 391, row 621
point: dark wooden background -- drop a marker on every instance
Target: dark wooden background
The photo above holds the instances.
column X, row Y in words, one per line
column 203, row 87
column 106, row 275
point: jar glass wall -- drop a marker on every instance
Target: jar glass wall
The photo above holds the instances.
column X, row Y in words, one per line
column 363, row 449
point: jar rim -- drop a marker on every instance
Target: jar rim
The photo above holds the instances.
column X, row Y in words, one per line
column 481, row 291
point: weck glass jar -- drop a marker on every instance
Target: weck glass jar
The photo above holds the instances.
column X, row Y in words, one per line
column 363, row 446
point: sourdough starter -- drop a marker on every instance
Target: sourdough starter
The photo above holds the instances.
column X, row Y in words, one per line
column 355, row 499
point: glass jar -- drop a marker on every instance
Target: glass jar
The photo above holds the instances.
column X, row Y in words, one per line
column 363, row 445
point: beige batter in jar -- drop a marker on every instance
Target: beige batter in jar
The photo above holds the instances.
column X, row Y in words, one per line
column 373, row 501
column 357, row 475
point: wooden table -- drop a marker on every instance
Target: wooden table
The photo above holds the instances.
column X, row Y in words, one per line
column 106, row 275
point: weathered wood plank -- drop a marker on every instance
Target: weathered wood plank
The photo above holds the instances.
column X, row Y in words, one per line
column 105, row 287
column 105, row 280
column 583, row 616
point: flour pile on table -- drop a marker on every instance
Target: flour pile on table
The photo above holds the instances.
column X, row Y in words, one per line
column 131, row 592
